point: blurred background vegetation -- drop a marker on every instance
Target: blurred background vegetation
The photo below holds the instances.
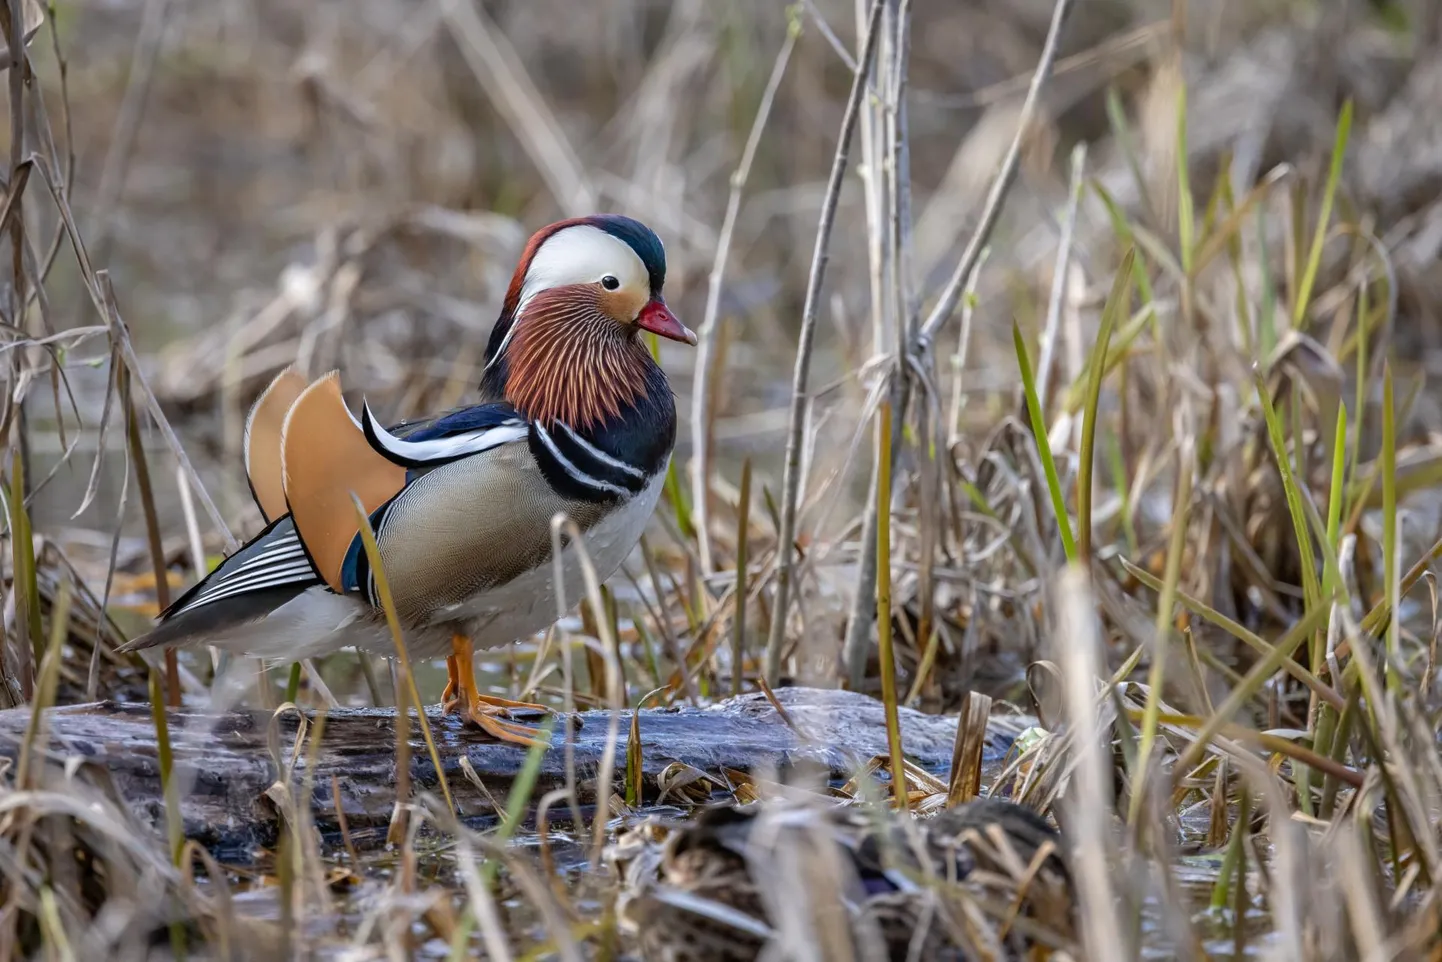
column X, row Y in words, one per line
column 350, row 182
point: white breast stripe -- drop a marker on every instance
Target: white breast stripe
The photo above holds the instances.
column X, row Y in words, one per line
column 577, row 475
column 440, row 449
column 602, row 456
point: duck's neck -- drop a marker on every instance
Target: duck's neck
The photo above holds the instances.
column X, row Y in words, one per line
column 563, row 360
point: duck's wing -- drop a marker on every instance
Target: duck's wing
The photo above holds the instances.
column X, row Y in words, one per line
column 474, row 515
column 427, row 444
column 263, row 574
column 325, row 454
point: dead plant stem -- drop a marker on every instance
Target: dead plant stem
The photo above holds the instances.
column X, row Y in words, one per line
column 702, row 414
column 809, row 312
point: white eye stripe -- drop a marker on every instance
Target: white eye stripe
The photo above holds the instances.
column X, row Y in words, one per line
column 581, row 254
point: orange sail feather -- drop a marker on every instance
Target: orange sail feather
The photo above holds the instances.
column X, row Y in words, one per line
column 325, row 457
column 262, row 441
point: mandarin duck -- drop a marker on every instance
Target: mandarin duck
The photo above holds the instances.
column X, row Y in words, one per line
column 575, row 416
column 879, row 884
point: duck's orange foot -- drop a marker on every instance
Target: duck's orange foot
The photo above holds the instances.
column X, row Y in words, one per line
column 451, row 697
column 495, row 721
column 487, row 712
column 493, row 715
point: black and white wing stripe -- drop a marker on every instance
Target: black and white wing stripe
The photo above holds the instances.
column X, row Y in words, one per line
column 275, row 558
column 581, row 468
column 455, row 436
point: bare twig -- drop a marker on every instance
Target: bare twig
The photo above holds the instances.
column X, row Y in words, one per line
column 922, row 340
column 701, row 413
column 500, row 71
column 999, row 187
column 791, row 477
column 891, row 261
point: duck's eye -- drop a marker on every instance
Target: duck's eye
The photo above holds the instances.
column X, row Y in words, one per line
column 610, row 283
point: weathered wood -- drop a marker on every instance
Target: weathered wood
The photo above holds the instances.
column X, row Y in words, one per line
column 225, row 764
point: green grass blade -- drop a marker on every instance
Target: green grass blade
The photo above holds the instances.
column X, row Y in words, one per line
column 1389, row 525
column 1038, row 428
column 292, row 684
column 885, row 653
column 1186, row 214
column 1123, row 230
column 1311, row 590
column 168, row 788
column 1336, row 494
column 1116, row 303
column 1123, row 338
column 1319, row 235
column 1267, row 314
column 1360, row 412
column 743, row 587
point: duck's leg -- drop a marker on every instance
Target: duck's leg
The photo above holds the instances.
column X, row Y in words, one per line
column 488, row 712
column 451, row 697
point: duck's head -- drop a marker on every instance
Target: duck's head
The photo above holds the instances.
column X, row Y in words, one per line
column 567, row 344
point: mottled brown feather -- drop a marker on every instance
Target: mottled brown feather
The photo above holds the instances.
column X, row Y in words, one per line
column 262, row 441
column 325, row 456
column 569, row 360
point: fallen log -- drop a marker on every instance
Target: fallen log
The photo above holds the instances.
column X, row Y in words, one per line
column 226, row 762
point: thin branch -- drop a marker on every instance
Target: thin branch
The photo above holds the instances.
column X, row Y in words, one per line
column 896, row 202
column 859, row 623
column 706, row 333
column 819, row 258
column 499, row 70
column 999, row 187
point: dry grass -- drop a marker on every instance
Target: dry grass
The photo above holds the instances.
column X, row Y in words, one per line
column 1151, row 455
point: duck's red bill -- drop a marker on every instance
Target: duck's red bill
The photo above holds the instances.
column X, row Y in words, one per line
column 657, row 318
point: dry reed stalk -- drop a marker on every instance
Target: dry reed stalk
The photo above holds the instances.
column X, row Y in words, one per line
column 1090, row 806
column 918, row 359
column 706, row 372
column 502, row 74
column 615, row 694
column 820, row 255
